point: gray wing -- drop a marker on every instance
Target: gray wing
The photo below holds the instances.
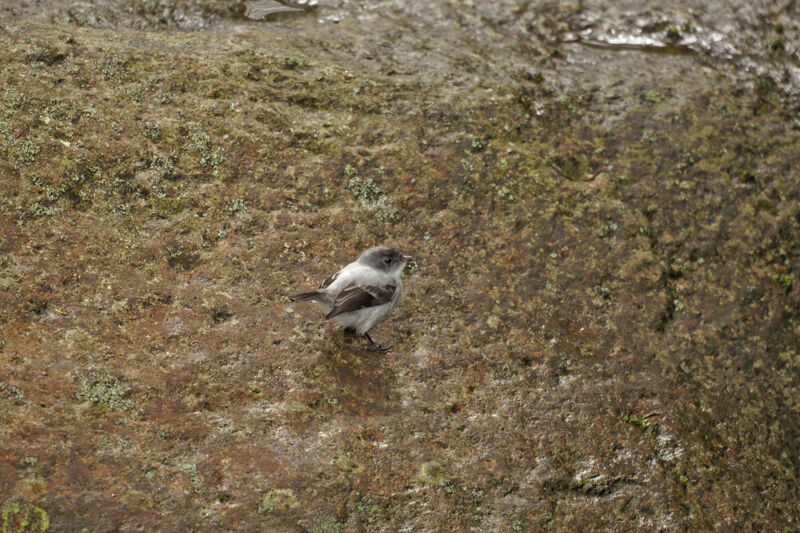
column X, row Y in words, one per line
column 354, row 298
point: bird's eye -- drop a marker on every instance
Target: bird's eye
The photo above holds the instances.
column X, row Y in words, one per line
column 387, row 260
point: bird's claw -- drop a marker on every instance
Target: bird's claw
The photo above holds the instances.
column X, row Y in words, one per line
column 375, row 346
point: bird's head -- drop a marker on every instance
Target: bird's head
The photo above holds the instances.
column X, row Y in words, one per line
column 385, row 258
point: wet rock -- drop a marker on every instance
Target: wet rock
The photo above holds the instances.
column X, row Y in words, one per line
column 599, row 331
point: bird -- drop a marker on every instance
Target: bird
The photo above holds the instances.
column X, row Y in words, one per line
column 361, row 293
column 261, row 9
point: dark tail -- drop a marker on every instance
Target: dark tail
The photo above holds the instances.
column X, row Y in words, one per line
column 305, row 297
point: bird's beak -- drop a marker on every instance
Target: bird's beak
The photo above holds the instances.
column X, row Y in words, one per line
column 405, row 259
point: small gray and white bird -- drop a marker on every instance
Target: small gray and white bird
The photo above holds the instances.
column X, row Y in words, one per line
column 363, row 292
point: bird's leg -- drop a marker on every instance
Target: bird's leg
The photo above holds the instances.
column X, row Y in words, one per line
column 376, row 346
column 349, row 331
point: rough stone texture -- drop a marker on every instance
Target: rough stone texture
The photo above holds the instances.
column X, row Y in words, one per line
column 600, row 332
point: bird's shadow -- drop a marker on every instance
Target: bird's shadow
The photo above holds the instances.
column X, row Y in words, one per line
column 354, row 378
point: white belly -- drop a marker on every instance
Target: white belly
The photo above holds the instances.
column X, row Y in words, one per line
column 363, row 319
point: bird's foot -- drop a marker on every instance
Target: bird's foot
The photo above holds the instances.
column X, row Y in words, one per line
column 375, row 346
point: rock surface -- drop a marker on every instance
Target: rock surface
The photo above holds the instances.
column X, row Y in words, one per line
column 600, row 332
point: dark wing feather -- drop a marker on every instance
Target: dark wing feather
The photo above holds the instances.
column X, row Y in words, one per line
column 354, row 298
column 325, row 284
